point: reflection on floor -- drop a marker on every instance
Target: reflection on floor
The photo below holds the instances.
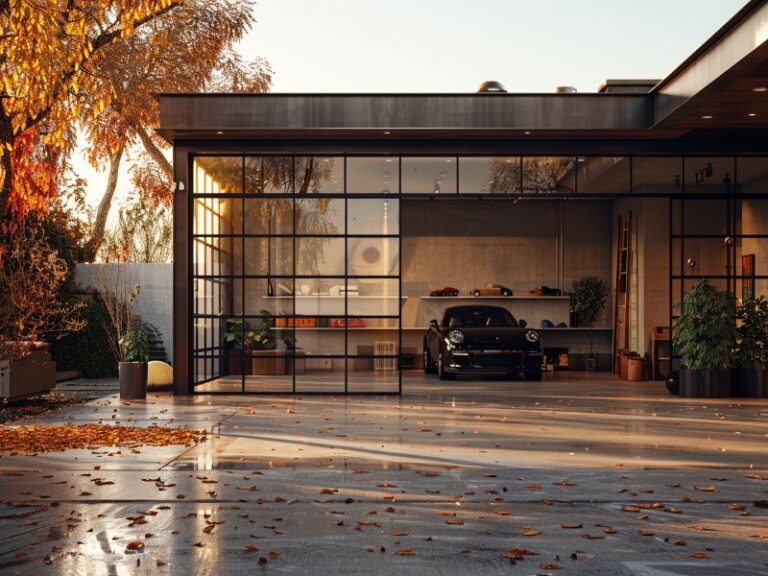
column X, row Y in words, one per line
column 383, row 382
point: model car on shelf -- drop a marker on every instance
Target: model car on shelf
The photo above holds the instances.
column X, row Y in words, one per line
column 492, row 290
column 447, row 291
column 481, row 340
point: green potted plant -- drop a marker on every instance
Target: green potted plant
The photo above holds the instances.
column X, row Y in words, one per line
column 132, row 368
column 267, row 351
column 749, row 377
column 704, row 338
column 588, row 297
column 236, row 339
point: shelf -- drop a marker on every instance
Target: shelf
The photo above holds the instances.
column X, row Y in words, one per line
column 596, row 329
column 351, row 329
column 520, row 297
column 327, row 297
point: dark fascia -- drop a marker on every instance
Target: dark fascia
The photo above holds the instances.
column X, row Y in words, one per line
column 245, row 115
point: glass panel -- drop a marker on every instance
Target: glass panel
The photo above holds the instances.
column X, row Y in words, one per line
column 320, row 174
column 429, row 175
column 752, row 175
column 320, row 341
column 218, row 174
column 319, row 216
column 548, row 175
column 709, row 174
column 363, row 333
column 259, row 303
column 268, row 216
column 319, row 374
column 705, row 216
column 489, row 175
column 270, row 370
column 316, row 297
column 213, row 216
column 657, row 175
column 602, row 175
column 268, row 256
column 268, row 174
column 373, row 257
column 212, row 256
column 374, row 216
column 373, row 297
column 373, row 175
column 701, row 256
column 373, row 375
column 320, row 256
column 754, row 221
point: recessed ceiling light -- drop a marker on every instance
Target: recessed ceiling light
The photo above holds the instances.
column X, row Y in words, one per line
column 706, row 117
column 219, row 132
column 752, row 114
column 387, row 132
column 760, row 89
column 527, row 132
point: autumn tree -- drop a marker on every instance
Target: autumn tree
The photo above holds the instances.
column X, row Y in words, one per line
column 192, row 51
column 49, row 50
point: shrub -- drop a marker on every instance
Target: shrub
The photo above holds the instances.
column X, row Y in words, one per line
column 86, row 350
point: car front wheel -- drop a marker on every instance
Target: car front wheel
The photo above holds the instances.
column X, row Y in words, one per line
column 441, row 373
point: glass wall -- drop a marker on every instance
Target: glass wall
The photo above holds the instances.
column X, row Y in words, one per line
column 297, row 285
column 296, row 259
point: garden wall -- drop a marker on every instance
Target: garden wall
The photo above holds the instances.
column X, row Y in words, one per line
column 154, row 303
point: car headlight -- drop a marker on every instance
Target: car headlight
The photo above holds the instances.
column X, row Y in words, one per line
column 532, row 336
column 456, row 337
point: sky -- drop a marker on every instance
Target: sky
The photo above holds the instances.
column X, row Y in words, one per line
column 454, row 45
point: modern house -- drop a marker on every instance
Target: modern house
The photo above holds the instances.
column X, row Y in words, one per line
column 310, row 229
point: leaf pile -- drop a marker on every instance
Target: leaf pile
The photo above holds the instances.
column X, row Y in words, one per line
column 58, row 438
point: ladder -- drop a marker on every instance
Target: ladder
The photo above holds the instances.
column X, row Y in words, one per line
column 623, row 285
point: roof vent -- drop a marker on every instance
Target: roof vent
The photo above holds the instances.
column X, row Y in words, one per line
column 565, row 90
column 491, row 86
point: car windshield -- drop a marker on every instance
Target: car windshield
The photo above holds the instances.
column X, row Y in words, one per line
column 471, row 317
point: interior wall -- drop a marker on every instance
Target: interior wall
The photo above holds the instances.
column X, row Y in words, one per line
column 466, row 244
column 754, row 219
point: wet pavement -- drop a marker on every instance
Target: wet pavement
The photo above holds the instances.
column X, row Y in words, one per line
column 595, row 475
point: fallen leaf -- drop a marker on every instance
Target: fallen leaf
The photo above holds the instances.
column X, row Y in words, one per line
column 528, row 532
column 647, row 532
column 134, row 546
column 699, row 555
column 571, row 526
column 709, row 488
column 519, row 553
column 405, row 552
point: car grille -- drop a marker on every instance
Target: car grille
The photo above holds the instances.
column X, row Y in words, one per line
column 498, row 360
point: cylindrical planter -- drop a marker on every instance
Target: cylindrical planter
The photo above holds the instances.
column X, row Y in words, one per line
column 635, row 369
column 749, row 383
column 133, row 380
column 705, row 383
column 623, row 367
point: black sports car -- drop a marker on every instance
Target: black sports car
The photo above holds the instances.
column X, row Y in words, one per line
column 482, row 340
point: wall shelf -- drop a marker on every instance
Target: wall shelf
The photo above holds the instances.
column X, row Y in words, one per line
column 519, row 297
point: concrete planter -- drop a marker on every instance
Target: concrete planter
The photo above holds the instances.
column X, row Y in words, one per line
column 748, row 383
column 133, row 380
column 705, row 383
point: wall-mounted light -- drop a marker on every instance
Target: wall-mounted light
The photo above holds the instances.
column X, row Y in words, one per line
column 177, row 186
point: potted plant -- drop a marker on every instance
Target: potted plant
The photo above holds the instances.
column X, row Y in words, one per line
column 132, row 367
column 749, row 378
column 588, row 297
column 705, row 337
column 268, row 353
column 234, row 340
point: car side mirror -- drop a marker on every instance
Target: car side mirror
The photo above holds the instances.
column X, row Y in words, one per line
column 522, row 323
column 433, row 324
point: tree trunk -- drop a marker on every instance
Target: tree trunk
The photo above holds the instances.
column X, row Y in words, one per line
column 6, row 169
column 155, row 152
column 100, row 225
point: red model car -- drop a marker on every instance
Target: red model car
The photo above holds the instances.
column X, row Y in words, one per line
column 447, row 291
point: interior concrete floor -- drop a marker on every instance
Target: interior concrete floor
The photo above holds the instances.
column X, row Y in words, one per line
column 594, row 474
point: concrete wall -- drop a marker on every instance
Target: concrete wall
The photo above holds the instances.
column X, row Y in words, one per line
column 467, row 244
column 154, row 303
